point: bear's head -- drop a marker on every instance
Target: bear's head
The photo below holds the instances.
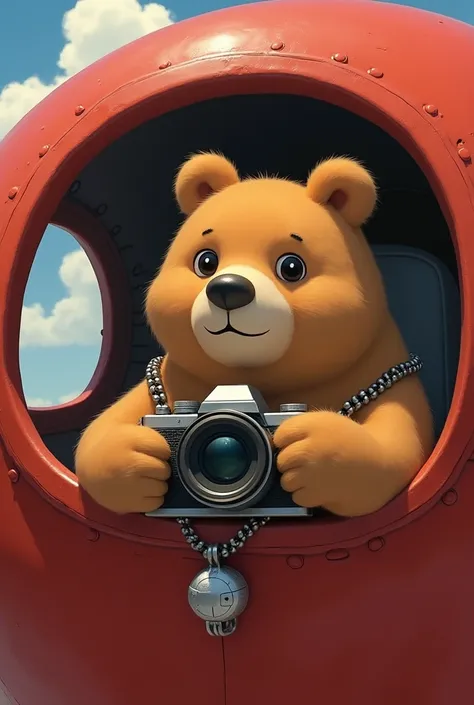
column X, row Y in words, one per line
column 269, row 282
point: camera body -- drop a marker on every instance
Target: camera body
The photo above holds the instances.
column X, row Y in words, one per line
column 222, row 456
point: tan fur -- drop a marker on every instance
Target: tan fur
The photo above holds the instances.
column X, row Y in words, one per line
column 330, row 335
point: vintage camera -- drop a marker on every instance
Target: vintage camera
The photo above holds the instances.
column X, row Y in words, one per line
column 222, row 456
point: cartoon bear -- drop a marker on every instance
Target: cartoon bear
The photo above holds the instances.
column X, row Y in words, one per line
column 272, row 283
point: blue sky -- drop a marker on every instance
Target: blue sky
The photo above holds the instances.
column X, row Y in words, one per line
column 60, row 343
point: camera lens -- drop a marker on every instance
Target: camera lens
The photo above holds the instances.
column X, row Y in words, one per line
column 225, row 459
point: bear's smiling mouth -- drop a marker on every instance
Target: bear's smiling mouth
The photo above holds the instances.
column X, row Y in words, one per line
column 229, row 328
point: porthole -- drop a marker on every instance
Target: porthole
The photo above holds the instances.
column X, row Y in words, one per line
column 67, row 339
column 61, row 323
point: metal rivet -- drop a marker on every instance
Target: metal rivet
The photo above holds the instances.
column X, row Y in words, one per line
column 295, row 562
column 12, row 192
column 449, row 498
column 431, row 110
column 44, row 150
column 101, row 209
column 340, row 58
column 376, row 544
column 13, row 475
column 376, row 73
column 75, row 187
column 79, row 109
column 337, row 554
column 464, row 154
column 277, row 46
column 164, row 65
column 93, row 535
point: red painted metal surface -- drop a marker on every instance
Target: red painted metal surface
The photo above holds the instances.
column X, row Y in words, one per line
column 378, row 609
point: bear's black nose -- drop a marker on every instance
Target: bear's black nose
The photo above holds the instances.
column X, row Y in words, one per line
column 230, row 291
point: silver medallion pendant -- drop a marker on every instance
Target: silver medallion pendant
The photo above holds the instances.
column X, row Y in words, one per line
column 218, row 594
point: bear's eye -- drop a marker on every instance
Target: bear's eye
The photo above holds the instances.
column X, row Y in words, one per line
column 290, row 268
column 206, row 263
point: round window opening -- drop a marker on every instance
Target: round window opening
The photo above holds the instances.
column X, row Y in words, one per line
column 136, row 210
column 61, row 322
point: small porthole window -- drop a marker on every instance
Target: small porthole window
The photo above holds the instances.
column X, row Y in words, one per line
column 61, row 322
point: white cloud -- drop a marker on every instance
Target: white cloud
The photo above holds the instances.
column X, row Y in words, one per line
column 92, row 29
column 68, row 397
column 34, row 402
column 75, row 319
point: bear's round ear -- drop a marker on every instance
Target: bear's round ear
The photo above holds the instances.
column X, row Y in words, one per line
column 201, row 176
column 345, row 185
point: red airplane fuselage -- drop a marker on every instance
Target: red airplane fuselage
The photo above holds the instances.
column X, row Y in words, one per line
column 93, row 606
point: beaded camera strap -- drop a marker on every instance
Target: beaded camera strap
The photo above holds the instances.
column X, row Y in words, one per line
column 219, row 594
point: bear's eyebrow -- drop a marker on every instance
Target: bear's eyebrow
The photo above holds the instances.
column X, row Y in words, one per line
column 207, row 232
column 296, row 237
